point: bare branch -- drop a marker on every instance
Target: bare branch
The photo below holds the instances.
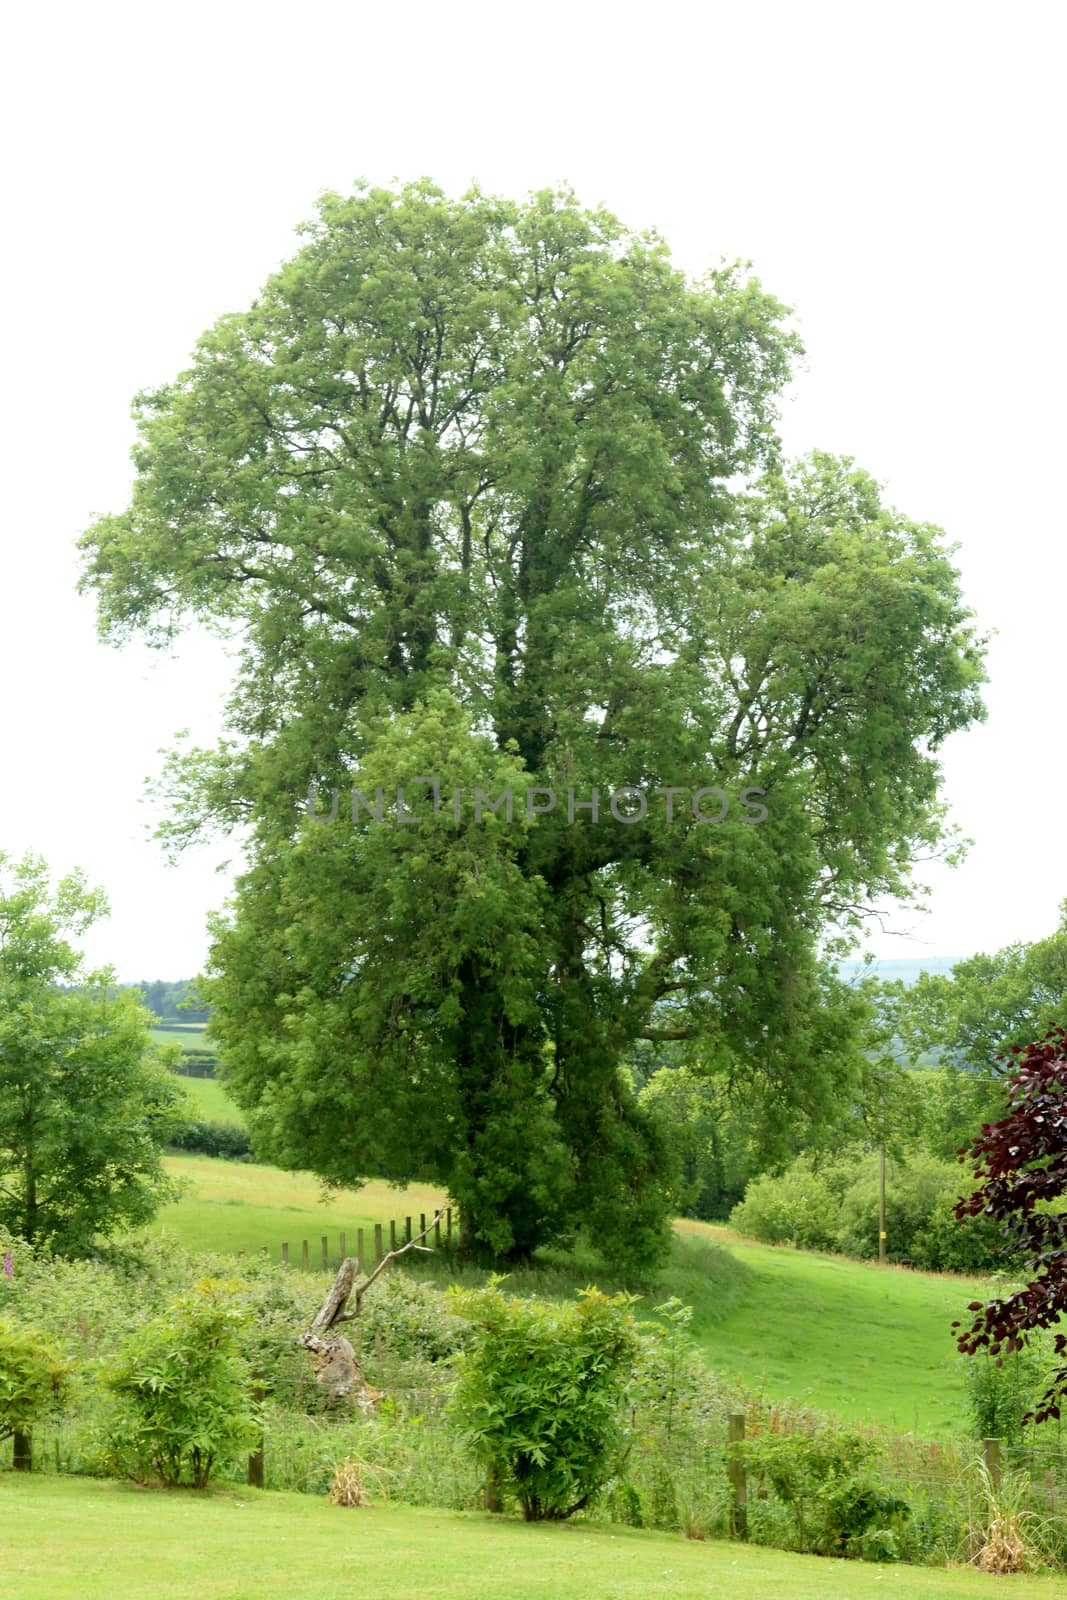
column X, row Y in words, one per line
column 332, row 1309
column 337, row 1367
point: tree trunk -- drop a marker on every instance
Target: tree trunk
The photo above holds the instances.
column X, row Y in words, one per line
column 337, row 1368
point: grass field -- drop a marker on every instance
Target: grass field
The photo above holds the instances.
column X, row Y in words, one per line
column 86, row 1539
column 866, row 1343
column 189, row 1035
column 233, row 1205
column 212, row 1102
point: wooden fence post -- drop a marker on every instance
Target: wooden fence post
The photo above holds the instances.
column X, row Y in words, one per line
column 344, row 1252
column 325, row 1253
column 738, row 1482
column 285, row 1255
column 991, row 1457
column 255, row 1460
column 304, row 1256
column 360, row 1257
column 392, row 1234
column 22, row 1460
column 437, row 1232
column 377, row 1243
column 407, row 1230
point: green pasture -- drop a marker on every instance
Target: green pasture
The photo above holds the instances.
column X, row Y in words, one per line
column 211, row 1102
column 88, row 1539
column 189, row 1035
column 236, row 1205
column 867, row 1343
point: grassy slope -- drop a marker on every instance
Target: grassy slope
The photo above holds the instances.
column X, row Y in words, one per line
column 233, row 1205
column 212, row 1102
column 81, row 1539
column 865, row 1342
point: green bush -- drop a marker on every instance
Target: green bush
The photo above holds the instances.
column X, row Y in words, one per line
column 227, row 1140
column 835, row 1206
column 945, row 1244
column 34, row 1378
column 415, row 1319
column 919, row 1222
column 797, row 1207
column 183, row 1390
column 836, row 1511
column 538, row 1395
column 1001, row 1390
column 677, row 1413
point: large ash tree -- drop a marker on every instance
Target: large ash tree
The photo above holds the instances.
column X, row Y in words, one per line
column 463, row 483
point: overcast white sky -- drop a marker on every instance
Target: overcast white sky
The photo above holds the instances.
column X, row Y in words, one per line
column 894, row 172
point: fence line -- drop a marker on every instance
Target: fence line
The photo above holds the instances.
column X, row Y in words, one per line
column 400, row 1233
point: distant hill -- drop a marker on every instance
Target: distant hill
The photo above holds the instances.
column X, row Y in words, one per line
column 904, row 969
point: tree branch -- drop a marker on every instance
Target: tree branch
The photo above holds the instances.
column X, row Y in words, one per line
column 332, row 1309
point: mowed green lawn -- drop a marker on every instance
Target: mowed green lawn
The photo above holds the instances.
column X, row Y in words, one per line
column 236, row 1205
column 868, row 1343
column 85, row 1539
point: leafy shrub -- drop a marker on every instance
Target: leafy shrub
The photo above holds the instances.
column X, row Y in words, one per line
column 836, row 1207
column 946, row 1243
column 34, row 1378
column 183, row 1390
column 914, row 1192
column 677, row 1414
column 538, row 1395
column 835, row 1510
column 797, row 1207
column 415, row 1319
column 227, row 1140
column 1002, row 1390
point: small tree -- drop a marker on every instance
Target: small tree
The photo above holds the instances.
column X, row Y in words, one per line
column 34, row 1380
column 84, row 1108
column 185, row 1390
column 538, row 1397
column 1021, row 1161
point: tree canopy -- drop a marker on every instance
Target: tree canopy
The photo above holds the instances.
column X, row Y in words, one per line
column 84, row 1106
column 973, row 1015
column 489, row 494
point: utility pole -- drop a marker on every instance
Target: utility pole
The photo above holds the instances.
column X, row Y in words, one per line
column 881, row 1206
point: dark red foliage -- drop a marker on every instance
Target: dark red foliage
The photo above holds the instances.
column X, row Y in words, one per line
column 1019, row 1161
